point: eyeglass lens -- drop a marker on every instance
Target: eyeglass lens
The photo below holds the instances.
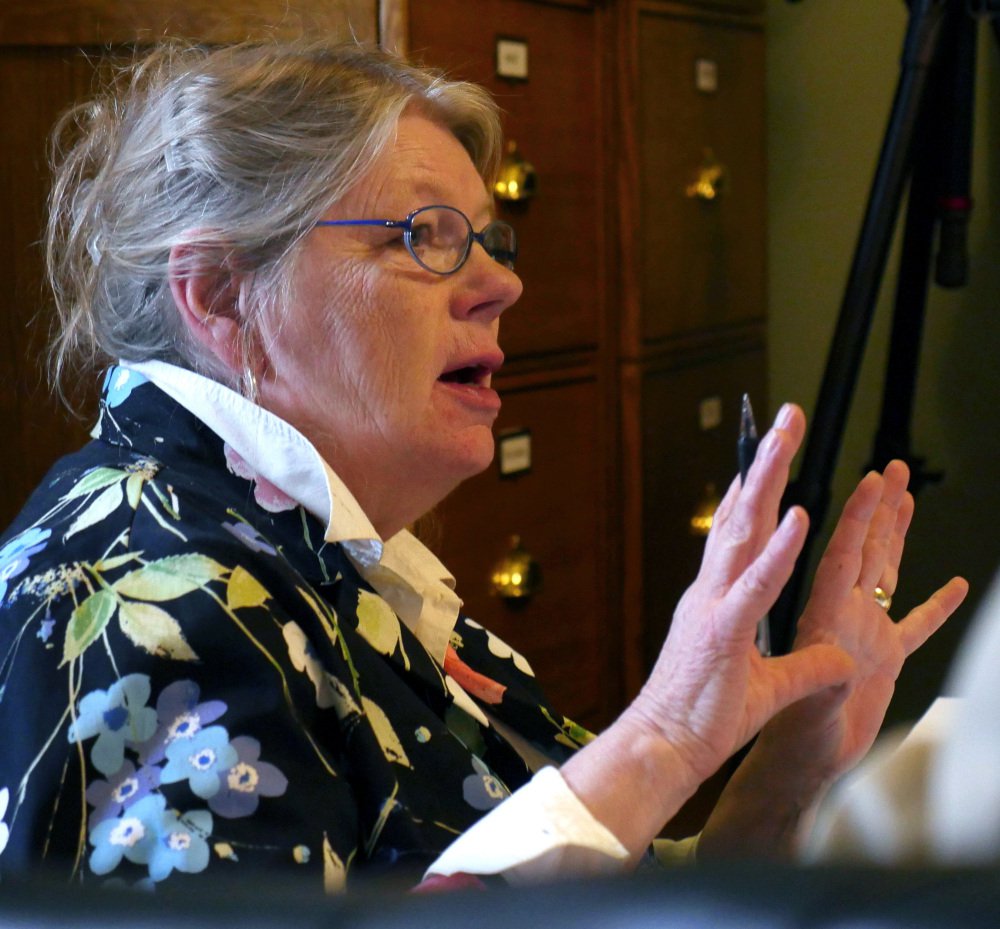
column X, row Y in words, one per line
column 440, row 239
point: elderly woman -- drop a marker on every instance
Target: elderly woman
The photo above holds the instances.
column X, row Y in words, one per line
column 221, row 649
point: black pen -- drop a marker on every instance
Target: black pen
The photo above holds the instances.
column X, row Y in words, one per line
column 746, row 444
column 746, row 449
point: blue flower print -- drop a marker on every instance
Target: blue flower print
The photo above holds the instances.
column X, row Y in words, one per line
column 15, row 555
column 116, row 716
column 180, row 844
column 179, row 717
column 123, row 790
column 201, row 760
column 130, row 836
column 150, row 834
column 119, row 383
column 247, row 781
column 250, row 537
column 483, row 790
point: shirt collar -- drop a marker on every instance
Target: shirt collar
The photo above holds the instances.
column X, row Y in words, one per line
column 402, row 570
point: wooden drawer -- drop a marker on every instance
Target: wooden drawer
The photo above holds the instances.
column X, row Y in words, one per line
column 553, row 116
column 701, row 262
column 557, row 509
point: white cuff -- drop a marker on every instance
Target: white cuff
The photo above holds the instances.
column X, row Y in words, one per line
column 540, row 833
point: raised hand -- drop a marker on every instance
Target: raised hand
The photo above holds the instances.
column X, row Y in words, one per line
column 817, row 739
column 864, row 552
column 710, row 690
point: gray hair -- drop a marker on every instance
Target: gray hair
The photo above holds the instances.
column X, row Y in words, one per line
column 237, row 150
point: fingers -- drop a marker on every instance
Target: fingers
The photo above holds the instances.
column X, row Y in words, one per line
column 840, row 567
column 875, row 554
column 748, row 515
column 923, row 621
column 904, row 516
column 757, row 588
column 867, row 543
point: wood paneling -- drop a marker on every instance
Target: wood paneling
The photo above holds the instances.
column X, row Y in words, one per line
column 701, row 263
column 101, row 22
column 680, row 458
column 556, row 118
column 558, row 509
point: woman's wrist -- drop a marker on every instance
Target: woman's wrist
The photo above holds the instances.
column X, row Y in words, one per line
column 764, row 809
column 632, row 779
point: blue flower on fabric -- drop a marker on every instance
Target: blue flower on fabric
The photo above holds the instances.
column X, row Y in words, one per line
column 250, row 537
column 16, row 554
column 117, row 716
column 120, row 792
column 153, row 835
column 119, row 383
column 179, row 718
column 202, row 761
column 131, row 836
column 483, row 790
column 247, row 781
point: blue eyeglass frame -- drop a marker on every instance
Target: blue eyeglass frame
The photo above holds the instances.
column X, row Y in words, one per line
column 505, row 257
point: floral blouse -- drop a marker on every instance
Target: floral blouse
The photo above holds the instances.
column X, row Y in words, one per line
column 193, row 682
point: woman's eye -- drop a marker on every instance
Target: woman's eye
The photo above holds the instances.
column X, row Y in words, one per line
column 421, row 234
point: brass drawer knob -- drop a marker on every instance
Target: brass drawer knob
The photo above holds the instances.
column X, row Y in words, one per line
column 701, row 520
column 710, row 179
column 517, row 179
column 517, row 575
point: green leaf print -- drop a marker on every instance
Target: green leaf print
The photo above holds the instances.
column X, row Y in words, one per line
column 169, row 578
column 106, row 503
column 155, row 630
column 97, row 479
column 380, row 625
column 87, row 622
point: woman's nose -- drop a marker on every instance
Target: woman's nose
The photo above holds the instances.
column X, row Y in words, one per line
column 488, row 287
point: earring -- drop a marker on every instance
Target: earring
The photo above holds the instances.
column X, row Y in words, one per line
column 249, row 384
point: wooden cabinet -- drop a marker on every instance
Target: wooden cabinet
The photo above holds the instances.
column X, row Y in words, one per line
column 557, row 383
column 558, row 510
column 692, row 315
column 642, row 321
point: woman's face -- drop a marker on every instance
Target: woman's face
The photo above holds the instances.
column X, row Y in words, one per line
column 385, row 366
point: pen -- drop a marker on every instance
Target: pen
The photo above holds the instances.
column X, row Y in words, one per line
column 746, row 448
column 746, row 444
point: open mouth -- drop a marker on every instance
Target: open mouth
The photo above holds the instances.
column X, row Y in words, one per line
column 469, row 374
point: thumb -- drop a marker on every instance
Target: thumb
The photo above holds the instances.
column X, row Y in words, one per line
column 820, row 671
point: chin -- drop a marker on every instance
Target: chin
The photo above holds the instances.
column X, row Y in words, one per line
column 473, row 457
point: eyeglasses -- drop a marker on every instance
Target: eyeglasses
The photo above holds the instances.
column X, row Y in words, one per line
column 440, row 237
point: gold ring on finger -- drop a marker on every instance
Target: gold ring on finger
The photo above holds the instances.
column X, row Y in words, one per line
column 883, row 598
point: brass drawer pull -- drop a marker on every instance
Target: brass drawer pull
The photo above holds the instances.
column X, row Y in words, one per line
column 710, row 180
column 516, row 576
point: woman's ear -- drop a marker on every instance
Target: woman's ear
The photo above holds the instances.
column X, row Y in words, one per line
column 207, row 296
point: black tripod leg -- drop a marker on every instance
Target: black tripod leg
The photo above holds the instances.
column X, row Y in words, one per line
column 939, row 195
column 812, row 489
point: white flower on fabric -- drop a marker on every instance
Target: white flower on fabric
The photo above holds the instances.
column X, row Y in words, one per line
column 127, row 833
column 464, row 701
column 501, row 649
column 4, row 828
